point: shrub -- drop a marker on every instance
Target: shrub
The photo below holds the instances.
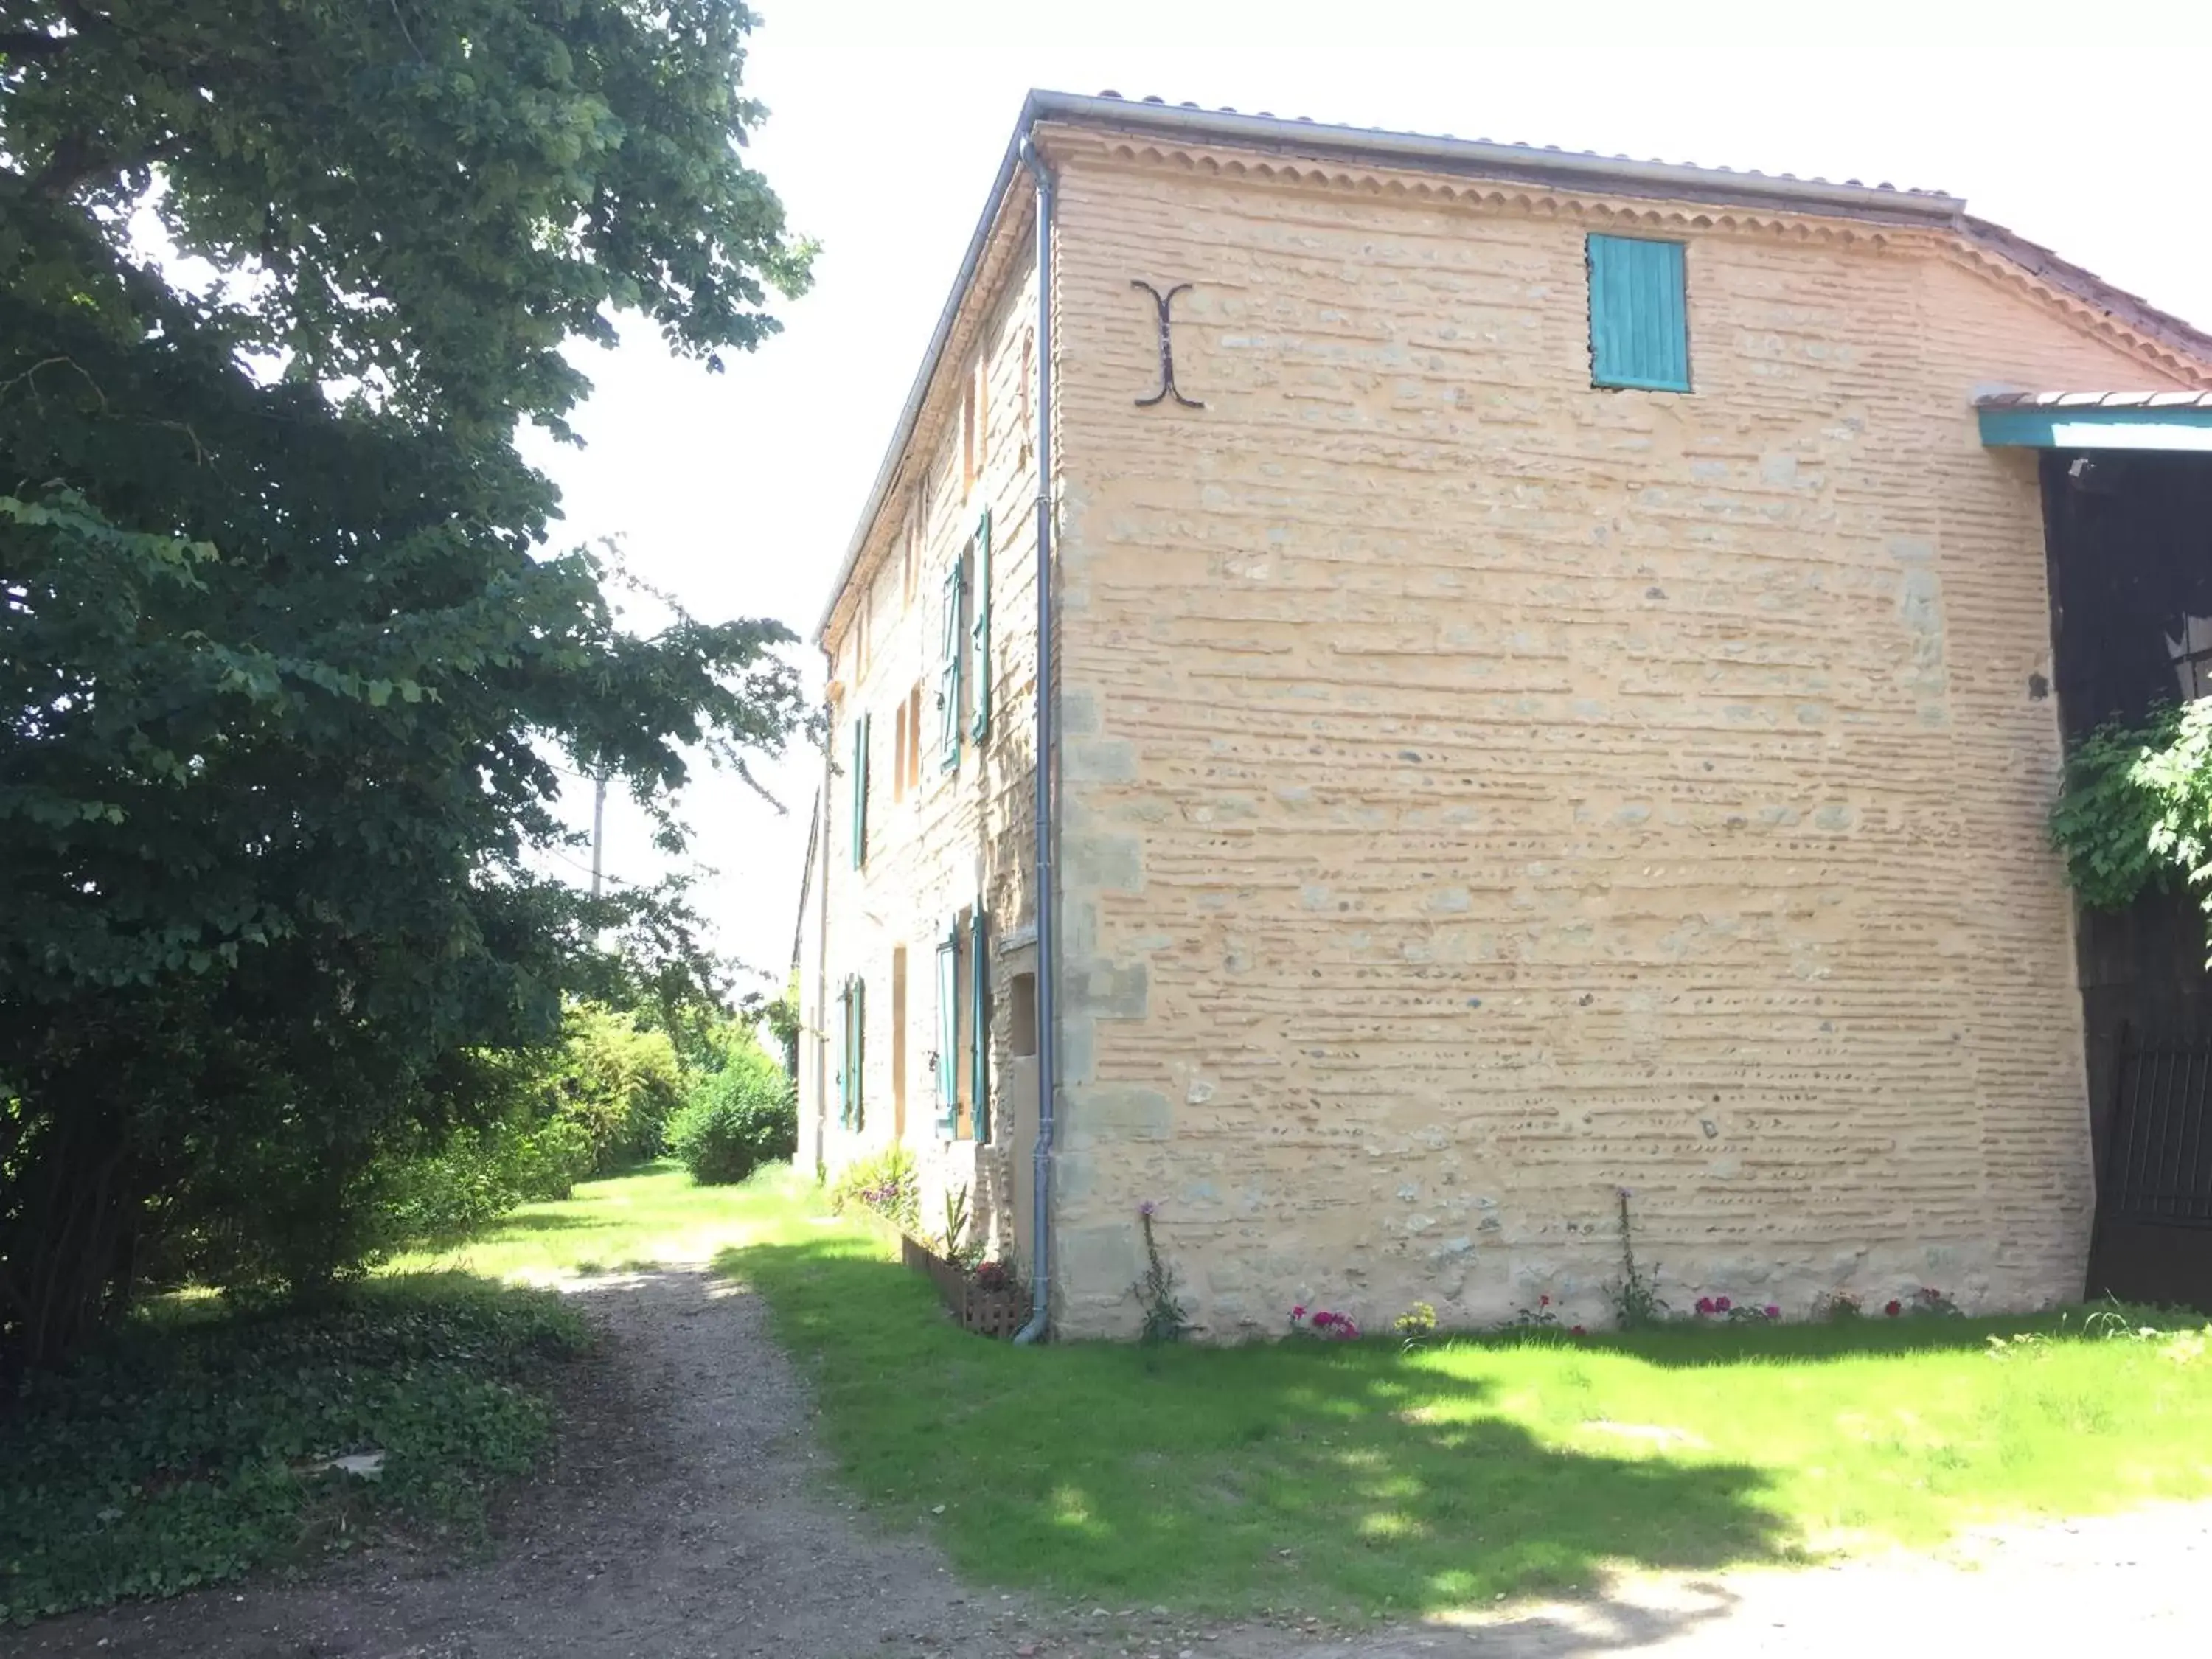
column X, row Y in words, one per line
column 2135, row 815
column 886, row 1183
column 619, row 1081
column 482, row 1174
column 738, row 1117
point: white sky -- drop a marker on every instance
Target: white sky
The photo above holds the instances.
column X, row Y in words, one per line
column 740, row 493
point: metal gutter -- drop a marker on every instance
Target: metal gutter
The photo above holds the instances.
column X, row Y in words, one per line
column 2184, row 429
column 918, row 394
column 1480, row 157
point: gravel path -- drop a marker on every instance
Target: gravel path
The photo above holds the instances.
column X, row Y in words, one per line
column 687, row 1516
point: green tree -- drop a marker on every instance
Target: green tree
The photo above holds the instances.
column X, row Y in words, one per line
column 285, row 663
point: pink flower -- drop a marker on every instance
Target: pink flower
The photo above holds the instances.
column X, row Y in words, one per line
column 1707, row 1305
column 1721, row 1304
column 1323, row 1320
column 1773, row 1310
column 1297, row 1314
column 1893, row 1309
column 1576, row 1330
column 1543, row 1301
column 1147, row 1207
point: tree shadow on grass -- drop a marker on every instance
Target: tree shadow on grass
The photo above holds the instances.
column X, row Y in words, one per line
column 1329, row 1480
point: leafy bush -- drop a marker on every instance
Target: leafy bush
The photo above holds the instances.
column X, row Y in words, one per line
column 618, row 1079
column 482, row 1173
column 2136, row 812
column 194, row 1444
column 738, row 1118
column 886, row 1183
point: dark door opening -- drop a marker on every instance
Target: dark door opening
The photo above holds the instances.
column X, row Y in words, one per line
column 2130, row 543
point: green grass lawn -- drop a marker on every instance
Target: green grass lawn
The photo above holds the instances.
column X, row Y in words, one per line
column 652, row 1213
column 1359, row 1481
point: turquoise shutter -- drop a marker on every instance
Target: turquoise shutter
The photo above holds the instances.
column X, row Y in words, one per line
column 856, row 1039
column 979, row 1032
column 948, row 1034
column 845, row 1055
column 1640, row 315
column 979, row 631
column 948, row 676
column 859, row 791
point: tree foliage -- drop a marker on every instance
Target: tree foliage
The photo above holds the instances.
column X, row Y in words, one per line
column 741, row 1112
column 2135, row 815
column 287, row 673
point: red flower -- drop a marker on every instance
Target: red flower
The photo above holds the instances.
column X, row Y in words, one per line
column 1577, row 1331
column 1543, row 1301
column 1893, row 1309
column 1773, row 1310
column 1721, row 1304
column 1705, row 1305
column 1297, row 1314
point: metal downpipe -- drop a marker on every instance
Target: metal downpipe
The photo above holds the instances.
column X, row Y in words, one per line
column 1048, row 1021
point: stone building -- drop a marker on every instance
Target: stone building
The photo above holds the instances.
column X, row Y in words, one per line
column 1548, row 691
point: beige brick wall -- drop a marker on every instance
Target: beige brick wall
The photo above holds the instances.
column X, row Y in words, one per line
column 1483, row 792
column 960, row 833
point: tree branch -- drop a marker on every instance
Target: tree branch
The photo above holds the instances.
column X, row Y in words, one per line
column 21, row 43
column 76, row 159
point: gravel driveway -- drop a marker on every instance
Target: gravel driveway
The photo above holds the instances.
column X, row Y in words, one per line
column 687, row 1516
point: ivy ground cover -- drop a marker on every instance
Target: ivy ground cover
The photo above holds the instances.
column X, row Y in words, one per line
column 199, row 1442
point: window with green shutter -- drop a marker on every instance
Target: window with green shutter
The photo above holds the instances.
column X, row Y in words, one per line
column 948, row 1035
column 979, row 631
column 1640, row 315
column 979, row 1025
column 948, row 674
column 845, row 1055
column 860, row 1053
column 859, row 791
column 853, row 1003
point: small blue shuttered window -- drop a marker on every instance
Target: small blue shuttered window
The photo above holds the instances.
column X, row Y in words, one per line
column 1640, row 315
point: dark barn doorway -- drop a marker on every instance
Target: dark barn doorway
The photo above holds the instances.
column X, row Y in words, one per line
column 2130, row 542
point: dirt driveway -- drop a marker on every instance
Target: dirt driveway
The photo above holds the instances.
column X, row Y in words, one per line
column 686, row 1517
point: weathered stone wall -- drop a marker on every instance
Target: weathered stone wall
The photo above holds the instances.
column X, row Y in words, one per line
column 1483, row 793
column 958, row 835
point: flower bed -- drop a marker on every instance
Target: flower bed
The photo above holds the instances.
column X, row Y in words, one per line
column 988, row 1301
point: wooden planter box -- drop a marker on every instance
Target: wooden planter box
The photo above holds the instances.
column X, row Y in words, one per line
column 997, row 1313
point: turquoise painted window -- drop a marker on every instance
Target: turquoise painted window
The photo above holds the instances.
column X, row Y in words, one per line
column 1640, row 315
column 851, row 1111
column 979, row 633
column 859, row 791
column 948, row 1034
column 948, row 672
